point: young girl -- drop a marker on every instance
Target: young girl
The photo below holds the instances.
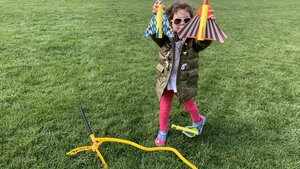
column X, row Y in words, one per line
column 177, row 70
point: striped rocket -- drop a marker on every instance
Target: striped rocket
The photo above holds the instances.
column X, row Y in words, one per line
column 212, row 30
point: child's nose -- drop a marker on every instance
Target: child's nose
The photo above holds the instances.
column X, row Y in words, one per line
column 182, row 23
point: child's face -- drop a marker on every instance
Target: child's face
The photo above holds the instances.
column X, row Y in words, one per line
column 181, row 17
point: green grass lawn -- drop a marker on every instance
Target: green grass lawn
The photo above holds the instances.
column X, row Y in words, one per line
column 59, row 55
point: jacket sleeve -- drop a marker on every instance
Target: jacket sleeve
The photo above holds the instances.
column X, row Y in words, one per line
column 159, row 42
column 201, row 45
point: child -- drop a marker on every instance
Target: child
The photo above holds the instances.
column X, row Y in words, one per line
column 177, row 69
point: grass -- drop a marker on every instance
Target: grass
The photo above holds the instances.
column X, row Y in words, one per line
column 58, row 55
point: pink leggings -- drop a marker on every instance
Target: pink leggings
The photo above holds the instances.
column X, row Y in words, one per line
column 165, row 110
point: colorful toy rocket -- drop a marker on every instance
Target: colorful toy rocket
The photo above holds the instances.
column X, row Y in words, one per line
column 159, row 24
column 202, row 28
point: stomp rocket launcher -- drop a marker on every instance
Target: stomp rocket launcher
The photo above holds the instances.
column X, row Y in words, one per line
column 98, row 141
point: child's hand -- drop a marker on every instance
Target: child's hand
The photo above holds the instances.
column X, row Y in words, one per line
column 155, row 7
column 211, row 14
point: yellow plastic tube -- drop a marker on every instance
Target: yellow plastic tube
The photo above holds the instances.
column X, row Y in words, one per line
column 148, row 148
column 203, row 21
column 159, row 21
column 98, row 141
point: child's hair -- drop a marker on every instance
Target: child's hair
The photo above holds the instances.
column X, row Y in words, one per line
column 178, row 5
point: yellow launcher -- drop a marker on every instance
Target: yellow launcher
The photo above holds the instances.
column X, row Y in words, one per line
column 98, row 141
column 159, row 21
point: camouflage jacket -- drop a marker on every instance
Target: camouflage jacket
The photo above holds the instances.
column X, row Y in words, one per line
column 187, row 74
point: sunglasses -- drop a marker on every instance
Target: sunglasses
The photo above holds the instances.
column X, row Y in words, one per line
column 178, row 21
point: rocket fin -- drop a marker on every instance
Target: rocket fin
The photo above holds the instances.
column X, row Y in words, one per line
column 151, row 30
column 213, row 30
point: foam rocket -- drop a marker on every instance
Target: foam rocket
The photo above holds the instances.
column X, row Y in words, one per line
column 159, row 23
column 202, row 27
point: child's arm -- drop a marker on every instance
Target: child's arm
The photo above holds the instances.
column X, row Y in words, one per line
column 159, row 42
column 201, row 45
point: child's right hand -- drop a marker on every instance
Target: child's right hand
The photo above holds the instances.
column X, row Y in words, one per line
column 155, row 7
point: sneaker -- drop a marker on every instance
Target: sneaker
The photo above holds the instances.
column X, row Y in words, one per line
column 196, row 126
column 200, row 124
column 161, row 138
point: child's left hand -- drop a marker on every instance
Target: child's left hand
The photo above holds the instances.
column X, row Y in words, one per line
column 210, row 13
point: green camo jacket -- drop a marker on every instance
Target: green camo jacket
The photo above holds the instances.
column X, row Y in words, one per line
column 187, row 75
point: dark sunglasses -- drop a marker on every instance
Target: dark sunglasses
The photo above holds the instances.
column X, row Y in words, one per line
column 178, row 21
